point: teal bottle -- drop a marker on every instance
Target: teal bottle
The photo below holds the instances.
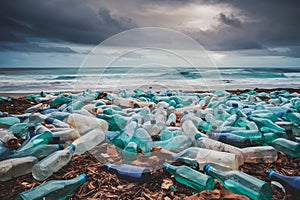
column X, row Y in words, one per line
column 20, row 129
column 116, row 122
column 128, row 132
column 260, row 122
column 38, row 151
column 52, row 163
column 176, row 143
column 141, row 137
column 253, row 135
column 286, row 146
column 271, row 116
column 6, row 122
column 290, row 183
column 167, row 134
column 54, row 189
column 190, row 177
column 59, row 101
column 293, row 117
column 39, row 139
column 129, row 153
column 241, row 183
column 76, row 105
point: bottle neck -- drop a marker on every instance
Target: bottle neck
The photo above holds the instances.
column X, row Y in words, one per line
column 220, row 175
column 170, row 168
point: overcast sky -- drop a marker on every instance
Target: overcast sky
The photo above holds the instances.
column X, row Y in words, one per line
column 233, row 32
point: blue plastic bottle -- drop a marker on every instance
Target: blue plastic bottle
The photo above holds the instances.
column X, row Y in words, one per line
column 129, row 172
column 290, row 183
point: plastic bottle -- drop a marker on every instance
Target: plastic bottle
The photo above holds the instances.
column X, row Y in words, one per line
column 231, row 139
column 191, row 178
column 286, row 146
column 54, row 189
column 39, row 151
column 6, row 122
column 65, row 134
column 8, row 138
column 259, row 154
column 171, row 121
column 115, row 122
column 16, row 167
column 129, row 153
column 293, row 117
column 88, row 141
column 43, row 138
column 260, row 122
column 83, row 123
column 141, row 136
column 52, row 163
column 241, row 183
column 167, row 134
column 290, row 183
column 129, row 172
column 200, row 156
column 128, row 132
column 20, row 129
column 253, row 135
column 207, row 143
column 176, row 143
column 57, row 123
column 190, row 129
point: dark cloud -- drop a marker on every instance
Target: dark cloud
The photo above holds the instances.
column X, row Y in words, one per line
column 229, row 20
column 33, row 47
column 69, row 20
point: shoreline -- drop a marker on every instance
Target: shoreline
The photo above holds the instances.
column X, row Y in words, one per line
column 16, row 95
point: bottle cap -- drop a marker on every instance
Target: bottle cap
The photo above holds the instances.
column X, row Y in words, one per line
column 153, row 121
column 280, row 114
column 107, row 165
column 59, row 146
column 197, row 136
column 84, row 176
column 206, row 167
column 135, row 120
column 166, row 165
column 270, row 172
column 100, row 116
column 73, row 146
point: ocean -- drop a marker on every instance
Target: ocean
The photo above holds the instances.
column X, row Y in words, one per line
column 20, row 80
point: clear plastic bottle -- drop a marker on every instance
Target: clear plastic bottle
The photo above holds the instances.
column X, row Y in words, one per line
column 190, row 129
column 200, row 156
column 171, row 121
column 52, row 163
column 54, row 189
column 16, row 167
column 83, row 123
column 65, row 134
column 259, row 154
column 207, row 143
column 190, row 177
column 141, row 136
column 8, row 138
column 241, row 183
column 167, row 134
column 88, row 141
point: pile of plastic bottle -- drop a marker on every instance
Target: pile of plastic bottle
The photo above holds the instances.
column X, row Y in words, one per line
column 213, row 133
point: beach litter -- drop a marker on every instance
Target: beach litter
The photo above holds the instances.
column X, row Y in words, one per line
column 211, row 139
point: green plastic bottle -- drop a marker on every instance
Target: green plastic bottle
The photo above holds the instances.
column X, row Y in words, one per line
column 286, row 146
column 241, row 183
column 116, row 122
column 190, row 177
column 55, row 189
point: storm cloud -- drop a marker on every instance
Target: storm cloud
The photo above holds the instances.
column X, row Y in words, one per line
column 230, row 25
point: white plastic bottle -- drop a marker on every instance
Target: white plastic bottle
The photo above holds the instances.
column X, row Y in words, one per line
column 52, row 163
column 88, row 141
column 84, row 123
column 16, row 167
